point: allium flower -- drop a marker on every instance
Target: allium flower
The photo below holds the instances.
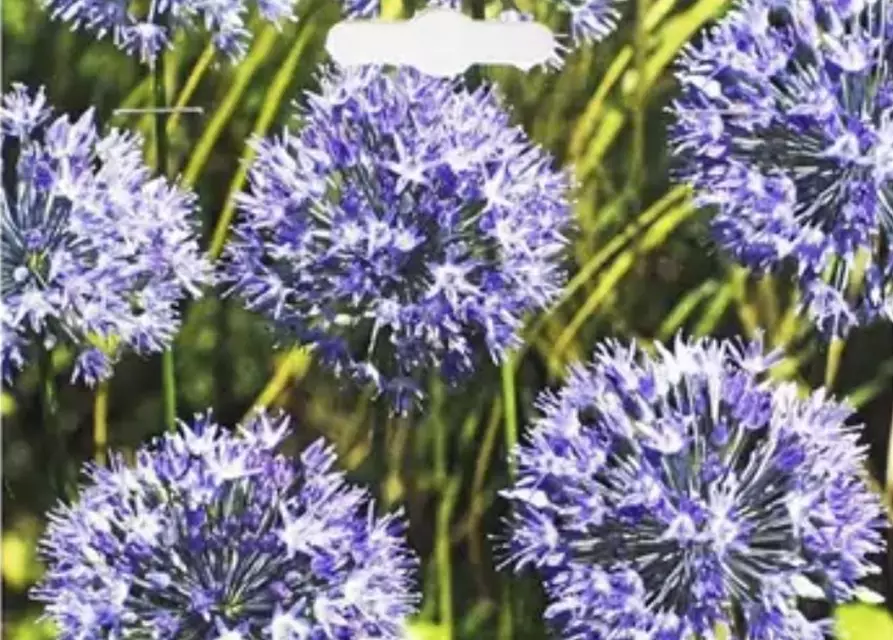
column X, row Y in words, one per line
column 785, row 126
column 148, row 28
column 95, row 252
column 661, row 496
column 212, row 534
column 406, row 227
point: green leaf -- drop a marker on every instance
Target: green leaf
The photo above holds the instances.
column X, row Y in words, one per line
column 863, row 622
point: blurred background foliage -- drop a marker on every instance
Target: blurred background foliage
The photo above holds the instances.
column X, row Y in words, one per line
column 642, row 268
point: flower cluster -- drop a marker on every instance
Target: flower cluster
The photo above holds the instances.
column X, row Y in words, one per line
column 663, row 496
column 785, row 126
column 95, row 252
column 147, row 28
column 212, row 534
column 407, row 227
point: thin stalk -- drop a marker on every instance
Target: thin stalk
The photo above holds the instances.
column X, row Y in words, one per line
column 168, row 371
column 505, row 631
column 49, row 402
column 832, row 365
column 639, row 103
column 511, row 408
column 888, row 486
column 889, row 478
column 100, row 422
column 192, row 82
column 49, row 409
column 442, row 545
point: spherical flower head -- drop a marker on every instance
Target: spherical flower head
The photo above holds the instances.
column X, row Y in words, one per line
column 146, row 29
column 662, row 496
column 405, row 228
column 97, row 253
column 213, row 534
column 785, row 127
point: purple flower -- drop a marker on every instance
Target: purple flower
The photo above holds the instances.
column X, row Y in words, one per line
column 212, row 534
column 148, row 28
column 404, row 229
column 660, row 496
column 785, row 127
column 97, row 254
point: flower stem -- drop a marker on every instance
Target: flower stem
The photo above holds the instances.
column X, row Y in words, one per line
column 832, row 366
column 49, row 409
column 510, row 407
column 889, row 476
column 168, row 372
column 100, row 422
column 49, row 403
column 888, row 489
column 443, row 544
column 505, row 631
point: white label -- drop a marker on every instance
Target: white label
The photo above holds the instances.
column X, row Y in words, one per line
column 441, row 42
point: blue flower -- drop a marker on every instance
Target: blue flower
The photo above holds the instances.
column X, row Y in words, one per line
column 660, row 496
column 212, row 534
column 96, row 253
column 405, row 228
column 148, row 28
column 785, row 127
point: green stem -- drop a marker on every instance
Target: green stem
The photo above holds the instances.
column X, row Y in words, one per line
column 889, row 480
column 168, row 372
column 639, row 99
column 889, row 502
column 49, row 410
column 169, row 384
column 198, row 72
column 442, row 545
column 100, row 422
column 890, row 472
column 505, row 631
column 49, row 402
column 447, row 486
column 832, row 366
column 511, row 408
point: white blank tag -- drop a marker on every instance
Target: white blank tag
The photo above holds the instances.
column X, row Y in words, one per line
column 441, row 42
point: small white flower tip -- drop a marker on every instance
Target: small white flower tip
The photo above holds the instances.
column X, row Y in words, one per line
column 868, row 596
column 806, row 588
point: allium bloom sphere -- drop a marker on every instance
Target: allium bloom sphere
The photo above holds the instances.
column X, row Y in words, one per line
column 97, row 253
column 148, row 28
column 661, row 496
column 213, row 534
column 405, row 228
column 785, row 126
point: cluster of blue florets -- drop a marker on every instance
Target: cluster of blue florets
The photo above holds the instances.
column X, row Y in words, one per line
column 785, row 126
column 213, row 534
column 147, row 29
column 406, row 227
column 663, row 496
column 97, row 253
